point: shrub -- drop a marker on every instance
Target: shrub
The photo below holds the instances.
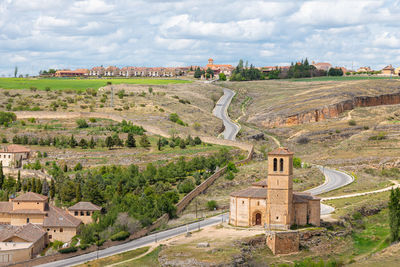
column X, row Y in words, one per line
column 82, row 123
column 352, row 123
column 366, row 127
column 212, row 205
column 380, row 136
column 92, row 120
column 68, row 250
column 230, row 176
column 57, row 244
column 84, row 246
column 297, row 163
column 120, row 236
column 186, row 186
column 303, row 140
column 231, row 167
column 7, row 117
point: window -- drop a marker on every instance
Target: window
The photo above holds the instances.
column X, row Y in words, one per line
column 281, row 165
column 48, row 229
column 50, row 236
column 55, row 230
column 76, row 213
column 17, row 203
column 258, row 203
column 275, row 165
column 82, row 213
column 27, row 220
column 277, row 217
column 37, row 203
column 242, row 201
column 61, row 230
column 88, row 213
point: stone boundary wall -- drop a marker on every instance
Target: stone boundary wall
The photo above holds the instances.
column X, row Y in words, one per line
column 26, row 173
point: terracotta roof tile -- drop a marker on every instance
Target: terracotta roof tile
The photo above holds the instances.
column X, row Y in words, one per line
column 84, row 206
column 5, row 207
column 60, row 218
column 15, row 149
column 30, row 196
column 29, row 232
column 281, row 151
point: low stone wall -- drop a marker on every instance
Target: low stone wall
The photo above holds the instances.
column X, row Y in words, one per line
column 26, row 173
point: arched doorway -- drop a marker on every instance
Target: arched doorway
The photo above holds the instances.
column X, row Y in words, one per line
column 258, row 218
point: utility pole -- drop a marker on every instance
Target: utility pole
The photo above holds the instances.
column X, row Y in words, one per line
column 112, row 96
column 196, row 208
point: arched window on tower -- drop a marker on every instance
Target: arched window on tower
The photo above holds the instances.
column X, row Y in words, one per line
column 275, row 164
column 281, row 165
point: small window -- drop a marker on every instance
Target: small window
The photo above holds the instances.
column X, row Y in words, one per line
column 17, row 203
column 37, row 203
column 275, row 165
column 82, row 213
column 55, row 230
column 88, row 213
column 277, row 217
column 281, row 165
column 258, row 203
column 50, row 236
column 27, row 220
column 61, row 230
column 48, row 229
column 76, row 213
column 242, row 201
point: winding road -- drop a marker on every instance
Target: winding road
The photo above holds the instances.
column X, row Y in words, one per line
column 333, row 179
column 220, row 111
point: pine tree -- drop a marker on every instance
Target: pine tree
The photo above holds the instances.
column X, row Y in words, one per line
column 72, row 142
column 52, row 189
column 144, row 141
column 109, row 142
column 65, row 168
column 19, row 181
column 1, row 175
column 130, row 141
column 159, row 144
column 38, row 186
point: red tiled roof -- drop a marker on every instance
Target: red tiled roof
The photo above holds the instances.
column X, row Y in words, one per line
column 28, row 232
column 15, row 149
column 84, row 206
column 281, row 151
column 60, row 218
column 30, row 196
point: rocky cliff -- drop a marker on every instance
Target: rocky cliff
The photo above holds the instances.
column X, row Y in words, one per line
column 332, row 111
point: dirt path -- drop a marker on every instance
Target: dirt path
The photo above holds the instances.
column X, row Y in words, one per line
column 396, row 185
column 153, row 246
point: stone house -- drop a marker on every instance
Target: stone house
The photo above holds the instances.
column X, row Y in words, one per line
column 35, row 208
column 272, row 203
column 13, row 155
column 388, row 70
column 83, row 211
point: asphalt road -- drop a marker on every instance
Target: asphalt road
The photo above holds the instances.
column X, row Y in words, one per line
column 220, row 111
column 333, row 180
column 140, row 242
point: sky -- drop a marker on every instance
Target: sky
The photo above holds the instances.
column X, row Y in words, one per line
column 68, row 34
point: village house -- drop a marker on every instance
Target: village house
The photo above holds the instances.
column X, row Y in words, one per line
column 321, row 65
column 219, row 68
column 35, row 208
column 14, row 155
column 388, row 70
column 84, row 211
column 272, row 203
column 364, row 69
column 97, row 71
column 111, row 71
column 21, row 243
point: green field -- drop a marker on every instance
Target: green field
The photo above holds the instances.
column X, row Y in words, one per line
column 76, row 84
column 342, row 78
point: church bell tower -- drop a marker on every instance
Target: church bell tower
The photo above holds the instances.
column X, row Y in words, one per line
column 280, row 189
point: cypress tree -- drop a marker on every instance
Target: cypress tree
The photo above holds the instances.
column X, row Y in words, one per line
column 45, row 187
column 52, row 189
column 78, row 192
column 1, row 175
column 394, row 214
column 92, row 144
column 19, row 181
column 38, row 186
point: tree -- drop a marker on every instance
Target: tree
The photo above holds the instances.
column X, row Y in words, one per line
column 78, row 167
column 198, row 73
column 45, row 188
column 182, row 144
column 18, row 181
column 210, row 72
column 109, row 142
column 52, row 189
column 117, row 141
column 144, row 141
column 159, row 144
column 38, row 186
column 72, row 142
column 130, row 141
column 15, row 72
column 83, row 143
column 1, row 175
column 394, row 214
column 335, row 72
column 78, row 192
column 212, row 205
column 82, row 123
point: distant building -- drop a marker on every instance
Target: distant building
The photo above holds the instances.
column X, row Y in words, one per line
column 388, row 70
column 14, row 155
column 72, row 73
column 322, row 65
column 272, row 203
column 397, row 71
column 219, row 68
column 364, row 69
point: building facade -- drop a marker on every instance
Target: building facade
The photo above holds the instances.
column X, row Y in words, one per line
column 83, row 211
column 14, row 155
column 272, row 203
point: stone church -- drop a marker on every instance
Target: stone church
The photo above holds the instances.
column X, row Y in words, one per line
column 272, row 203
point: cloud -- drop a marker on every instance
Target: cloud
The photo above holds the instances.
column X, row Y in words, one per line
column 40, row 34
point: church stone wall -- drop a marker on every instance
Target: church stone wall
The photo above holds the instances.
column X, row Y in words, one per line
column 315, row 212
column 300, row 213
column 283, row 242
